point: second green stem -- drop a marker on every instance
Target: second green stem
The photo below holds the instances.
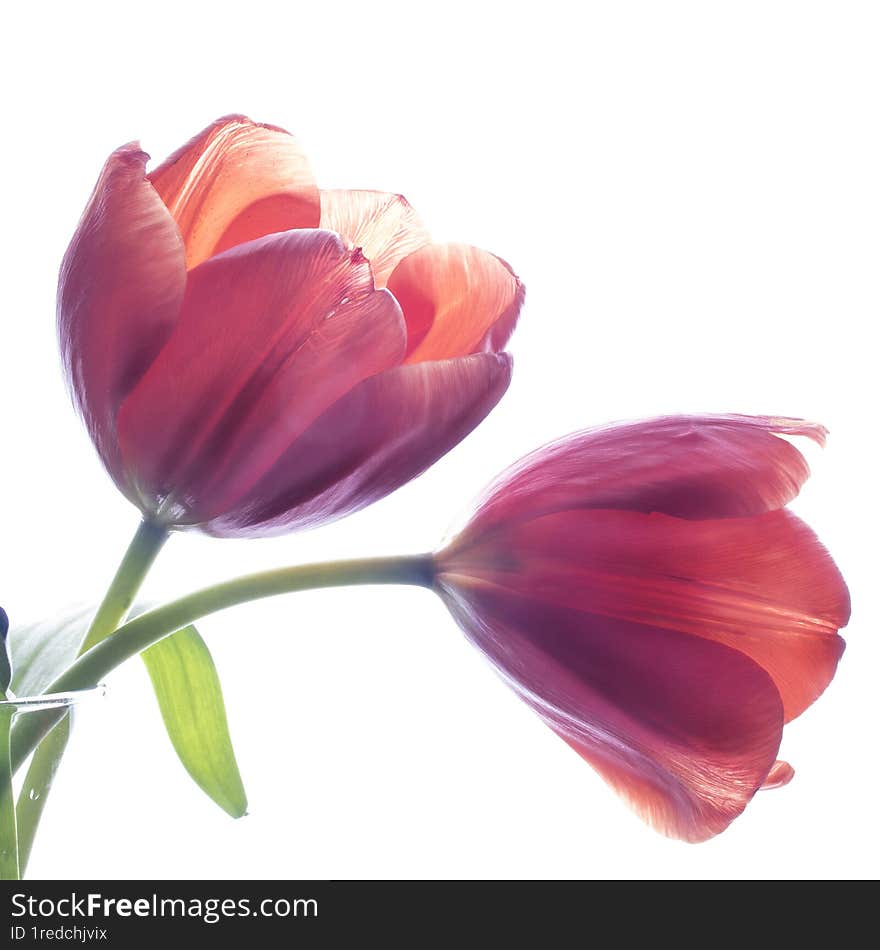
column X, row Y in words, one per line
column 142, row 552
column 146, row 629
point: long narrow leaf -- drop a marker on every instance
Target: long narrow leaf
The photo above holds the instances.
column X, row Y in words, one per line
column 191, row 702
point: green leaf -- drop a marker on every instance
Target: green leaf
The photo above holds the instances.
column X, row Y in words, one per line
column 186, row 684
column 191, row 702
column 42, row 651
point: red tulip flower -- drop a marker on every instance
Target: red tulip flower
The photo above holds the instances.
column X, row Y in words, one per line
column 251, row 354
column 643, row 589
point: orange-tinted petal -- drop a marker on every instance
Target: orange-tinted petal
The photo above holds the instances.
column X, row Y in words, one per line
column 453, row 297
column 764, row 585
column 383, row 226
column 119, row 295
column 235, row 181
column 272, row 333
column 684, row 729
column 381, row 434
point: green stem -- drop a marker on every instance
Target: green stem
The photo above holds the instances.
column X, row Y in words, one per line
column 143, row 550
column 9, row 869
column 37, row 785
column 152, row 626
column 138, row 559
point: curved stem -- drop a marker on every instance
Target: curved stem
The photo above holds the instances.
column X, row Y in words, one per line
column 148, row 628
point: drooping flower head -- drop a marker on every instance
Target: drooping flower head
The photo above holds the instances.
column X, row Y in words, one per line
column 251, row 354
column 644, row 590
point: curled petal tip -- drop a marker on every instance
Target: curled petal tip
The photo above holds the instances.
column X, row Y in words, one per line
column 780, row 774
column 234, row 117
column 132, row 152
column 384, row 226
column 509, row 269
column 687, row 466
column 812, row 430
column 239, row 118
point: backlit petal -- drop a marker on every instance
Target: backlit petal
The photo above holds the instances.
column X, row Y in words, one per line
column 687, row 466
column 685, row 729
column 781, row 774
column 383, row 226
column 119, row 295
column 456, row 300
column 764, row 585
column 386, row 431
column 272, row 333
column 235, row 181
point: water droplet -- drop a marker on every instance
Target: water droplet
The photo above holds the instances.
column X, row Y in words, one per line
column 33, row 794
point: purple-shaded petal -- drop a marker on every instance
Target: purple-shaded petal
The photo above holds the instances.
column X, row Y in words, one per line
column 688, row 466
column 120, row 291
column 272, row 333
column 763, row 585
column 686, row 730
column 382, row 434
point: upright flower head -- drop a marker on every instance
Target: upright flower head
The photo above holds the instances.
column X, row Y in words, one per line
column 251, row 354
column 644, row 590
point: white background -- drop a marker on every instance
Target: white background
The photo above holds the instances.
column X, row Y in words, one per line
column 689, row 191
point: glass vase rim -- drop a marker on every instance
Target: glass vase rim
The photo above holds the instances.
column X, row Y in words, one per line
column 65, row 700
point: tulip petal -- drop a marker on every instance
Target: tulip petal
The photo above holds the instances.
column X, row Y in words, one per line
column 685, row 729
column 456, row 300
column 764, row 585
column 721, row 466
column 781, row 774
column 236, row 181
column 383, row 226
column 377, row 437
column 271, row 334
column 120, row 290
